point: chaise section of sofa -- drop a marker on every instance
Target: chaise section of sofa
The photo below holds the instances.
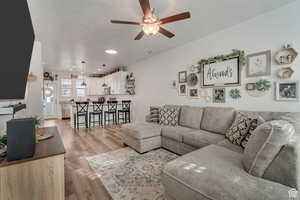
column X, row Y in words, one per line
column 216, row 173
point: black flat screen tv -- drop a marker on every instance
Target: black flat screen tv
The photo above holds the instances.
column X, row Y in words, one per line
column 17, row 39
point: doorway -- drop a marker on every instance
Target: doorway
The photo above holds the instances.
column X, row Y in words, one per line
column 50, row 100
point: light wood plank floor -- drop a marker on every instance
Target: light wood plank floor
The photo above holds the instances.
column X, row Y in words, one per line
column 80, row 181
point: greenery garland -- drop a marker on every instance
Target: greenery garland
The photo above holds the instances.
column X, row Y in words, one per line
column 235, row 53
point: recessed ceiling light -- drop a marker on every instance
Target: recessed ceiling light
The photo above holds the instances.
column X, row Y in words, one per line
column 111, row 51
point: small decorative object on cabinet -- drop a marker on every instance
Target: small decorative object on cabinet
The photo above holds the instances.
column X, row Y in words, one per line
column 182, row 77
column 130, row 86
column 219, row 95
column 286, row 55
column 285, row 73
column 287, row 91
column 194, row 93
column 259, row 64
column 192, row 80
column 182, row 90
column 235, row 93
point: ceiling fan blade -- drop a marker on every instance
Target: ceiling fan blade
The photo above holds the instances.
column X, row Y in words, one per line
column 166, row 33
column 145, row 4
column 124, row 22
column 174, row 18
column 139, row 36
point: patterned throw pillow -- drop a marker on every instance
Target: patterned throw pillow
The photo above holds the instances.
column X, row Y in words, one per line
column 257, row 121
column 169, row 116
column 154, row 114
column 238, row 130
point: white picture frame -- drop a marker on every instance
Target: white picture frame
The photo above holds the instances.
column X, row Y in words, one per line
column 259, row 64
column 226, row 73
column 287, row 91
column 182, row 90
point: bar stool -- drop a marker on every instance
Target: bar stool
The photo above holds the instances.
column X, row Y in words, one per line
column 111, row 111
column 124, row 113
column 97, row 111
column 81, row 111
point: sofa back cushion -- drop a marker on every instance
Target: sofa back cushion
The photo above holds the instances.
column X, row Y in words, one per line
column 190, row 117
column 217, row 119
column 265, row 143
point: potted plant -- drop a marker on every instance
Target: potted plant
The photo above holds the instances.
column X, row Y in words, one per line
column 3, row 143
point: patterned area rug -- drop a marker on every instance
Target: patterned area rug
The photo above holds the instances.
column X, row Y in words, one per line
column 128, row 175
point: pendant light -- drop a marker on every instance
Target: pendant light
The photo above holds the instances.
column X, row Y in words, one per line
column 104, row 85
column 83, row 84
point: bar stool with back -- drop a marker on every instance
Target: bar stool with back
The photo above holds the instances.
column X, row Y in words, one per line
column 124, row 114
column 97, row 111
column 81, row 111
column 111, row 111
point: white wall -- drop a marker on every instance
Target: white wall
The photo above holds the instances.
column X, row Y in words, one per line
column 269, row 31
column 34, row 94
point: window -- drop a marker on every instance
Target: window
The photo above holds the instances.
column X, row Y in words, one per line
column 80, row 88
column 66, row 87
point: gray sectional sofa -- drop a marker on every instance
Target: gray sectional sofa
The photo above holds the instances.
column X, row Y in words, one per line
column 211, row 167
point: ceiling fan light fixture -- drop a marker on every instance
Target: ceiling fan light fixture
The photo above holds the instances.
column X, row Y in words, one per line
column 151, row 29
column 111, row 51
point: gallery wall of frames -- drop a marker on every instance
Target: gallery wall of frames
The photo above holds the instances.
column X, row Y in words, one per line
column 213, row 78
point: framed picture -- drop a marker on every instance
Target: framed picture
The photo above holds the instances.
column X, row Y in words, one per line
column 194, row 93
column 221, row 74
column 259, row 64
column 182, row 77
column 219, row 95
column 250, row 86
column 182, row 90
column 287, row 91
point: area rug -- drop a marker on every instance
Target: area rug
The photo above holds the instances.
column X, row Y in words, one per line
column 128, row 175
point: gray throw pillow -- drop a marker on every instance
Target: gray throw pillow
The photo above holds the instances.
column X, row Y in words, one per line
column 154, row 114
column 257, row 121
column 265, row 143
column 169, row 116
column 238, row 130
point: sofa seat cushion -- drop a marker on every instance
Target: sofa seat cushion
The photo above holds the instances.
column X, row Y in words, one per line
column 217, row 119
column 191, row 116
column 201, row 138
column 175, row 132
column 141, row 130
column 228, row 145
column 214, row 172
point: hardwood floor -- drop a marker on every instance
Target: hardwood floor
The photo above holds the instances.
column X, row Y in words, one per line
column 81, row 182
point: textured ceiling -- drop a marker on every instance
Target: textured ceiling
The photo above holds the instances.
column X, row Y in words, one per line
column 75, row 30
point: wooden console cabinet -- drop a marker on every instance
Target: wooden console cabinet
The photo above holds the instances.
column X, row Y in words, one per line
column 38, row 178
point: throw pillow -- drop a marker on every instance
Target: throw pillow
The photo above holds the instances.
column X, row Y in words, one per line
column 169, row 116
column 265, row 143
column 238, row 130
column 258, row 120
column 154, row 114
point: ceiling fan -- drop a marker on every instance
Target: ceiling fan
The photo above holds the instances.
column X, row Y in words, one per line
column 151, row 24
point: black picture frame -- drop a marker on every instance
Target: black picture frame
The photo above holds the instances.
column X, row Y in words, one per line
column 225, row 84
column 182, row 73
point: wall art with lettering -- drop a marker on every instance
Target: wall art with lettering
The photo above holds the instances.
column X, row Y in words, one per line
column 221, row 74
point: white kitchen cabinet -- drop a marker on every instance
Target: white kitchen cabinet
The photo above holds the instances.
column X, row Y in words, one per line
column 116, row 82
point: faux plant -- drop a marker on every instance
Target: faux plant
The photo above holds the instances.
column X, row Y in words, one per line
column 235, row 53
column 263, row 85
column 3, row 139
column 235, row 93
column 37, row 121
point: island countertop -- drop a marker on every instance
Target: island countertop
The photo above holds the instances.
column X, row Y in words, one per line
column 46, row 148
